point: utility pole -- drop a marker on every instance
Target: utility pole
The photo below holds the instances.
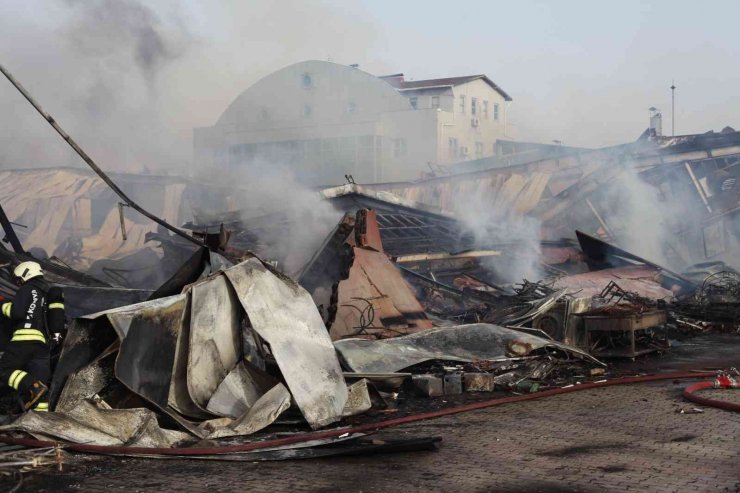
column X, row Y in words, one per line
column 673, row 109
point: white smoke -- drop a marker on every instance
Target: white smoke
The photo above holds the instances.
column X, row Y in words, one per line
column 299, row 218
column 516, row 236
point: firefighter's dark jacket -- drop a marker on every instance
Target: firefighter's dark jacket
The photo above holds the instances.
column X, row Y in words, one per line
column 28, row 311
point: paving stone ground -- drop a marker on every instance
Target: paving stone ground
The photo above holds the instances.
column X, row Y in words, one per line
column 625, row 438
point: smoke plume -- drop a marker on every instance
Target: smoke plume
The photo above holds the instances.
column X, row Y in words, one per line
column 516, row 236
column 129, row 79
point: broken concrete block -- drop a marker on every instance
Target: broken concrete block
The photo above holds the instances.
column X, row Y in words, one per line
column 453, row 383
column 427, row 385
column 478, row 382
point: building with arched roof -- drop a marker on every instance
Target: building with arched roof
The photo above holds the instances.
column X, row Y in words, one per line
column 324, row 120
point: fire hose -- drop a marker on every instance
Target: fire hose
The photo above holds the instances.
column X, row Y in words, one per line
column 365, row 428
column 723, row 381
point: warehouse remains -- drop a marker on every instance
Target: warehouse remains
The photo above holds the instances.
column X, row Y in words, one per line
column 419, row 290
column 256, row 332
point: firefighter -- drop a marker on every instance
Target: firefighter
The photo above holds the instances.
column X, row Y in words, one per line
column 26, row 364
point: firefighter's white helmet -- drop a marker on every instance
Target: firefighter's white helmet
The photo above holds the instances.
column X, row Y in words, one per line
column 28, row 270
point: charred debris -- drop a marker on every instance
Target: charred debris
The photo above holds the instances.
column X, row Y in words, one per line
column 403, row 301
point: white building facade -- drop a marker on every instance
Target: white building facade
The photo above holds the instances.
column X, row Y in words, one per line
column 324, row 120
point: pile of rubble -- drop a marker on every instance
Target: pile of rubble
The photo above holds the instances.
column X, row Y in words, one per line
column 232, row 331
column 397, row 304
column 231, row 347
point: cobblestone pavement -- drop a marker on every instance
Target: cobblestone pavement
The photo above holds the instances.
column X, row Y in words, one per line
column 611, row 439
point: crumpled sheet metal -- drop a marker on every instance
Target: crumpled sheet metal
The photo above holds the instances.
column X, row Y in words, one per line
column 284, row 315
column 462, row 343
column 215, row 337
column 239, row 391
column 264, row 412
column 86, row 423
column 145, row 360
column 195, row 337
column 179, row 396
column 120, row 318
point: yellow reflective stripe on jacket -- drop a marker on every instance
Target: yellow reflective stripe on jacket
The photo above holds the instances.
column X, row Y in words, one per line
column 16, row 377
column 41, row 406
column 22, row 335
column 56, row 305
column 27, row 332
column 6, row 308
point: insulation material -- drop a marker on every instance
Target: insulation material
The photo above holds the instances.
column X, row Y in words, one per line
column 60, row 204
column 284, row 315
column 501, row 190
column 109, row 242
column 86, row 382
column 359, row 399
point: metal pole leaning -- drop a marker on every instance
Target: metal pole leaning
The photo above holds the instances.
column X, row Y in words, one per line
column 92, row 164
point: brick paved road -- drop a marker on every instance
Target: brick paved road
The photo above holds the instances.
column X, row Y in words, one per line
column 612, row 439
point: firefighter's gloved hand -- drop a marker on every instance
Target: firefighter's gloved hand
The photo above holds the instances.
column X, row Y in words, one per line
column 5, row 308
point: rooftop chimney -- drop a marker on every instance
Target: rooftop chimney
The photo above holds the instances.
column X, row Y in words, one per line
column 656, row 122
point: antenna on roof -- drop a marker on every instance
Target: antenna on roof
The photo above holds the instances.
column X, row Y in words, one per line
column 673, row 109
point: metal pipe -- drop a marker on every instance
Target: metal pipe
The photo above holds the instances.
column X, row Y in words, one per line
column 92, row 164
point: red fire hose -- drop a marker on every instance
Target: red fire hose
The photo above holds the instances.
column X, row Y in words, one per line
column 723, row 381
column 253, row 446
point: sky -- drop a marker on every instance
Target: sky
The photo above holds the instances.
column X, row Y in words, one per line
column 130, row 79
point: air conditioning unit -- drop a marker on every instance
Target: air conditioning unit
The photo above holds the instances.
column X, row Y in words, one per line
column 474, row 122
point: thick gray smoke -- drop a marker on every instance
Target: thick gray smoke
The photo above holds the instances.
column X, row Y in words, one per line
column 124, row 29
column 641, row 222
column 516, row 236
column 130, row 79
column 270, row 194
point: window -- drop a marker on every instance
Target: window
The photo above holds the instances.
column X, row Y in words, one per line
column 453, row 147
column 351, row 107
column 479, row 149
column 473, row 104
column 307, row 110
column 462, row 104
column 435, row 101
column 307, row 81
column 495, row 111
column 485, row 109
column 263, row 114
column 414, row 102
column 399, row 147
